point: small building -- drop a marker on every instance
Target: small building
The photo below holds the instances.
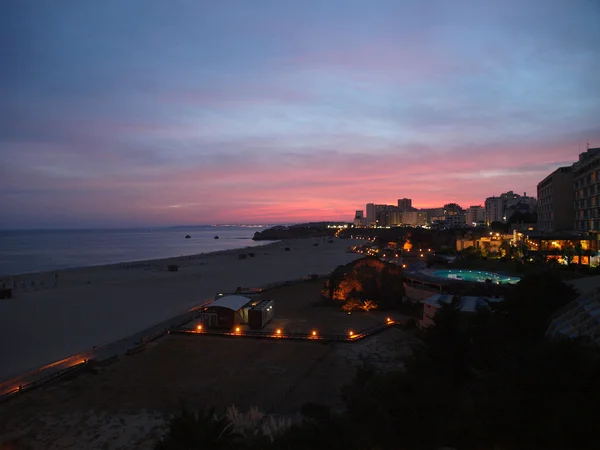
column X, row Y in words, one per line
column 468, row 304
column 226, row 312
column 260, row 314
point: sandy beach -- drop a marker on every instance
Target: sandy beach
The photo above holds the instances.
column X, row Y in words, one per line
column 51, row 318
column 125, row 405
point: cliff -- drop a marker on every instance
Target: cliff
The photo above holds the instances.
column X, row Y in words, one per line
column 294, row 231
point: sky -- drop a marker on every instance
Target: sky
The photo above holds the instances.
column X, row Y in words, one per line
column 180, row 112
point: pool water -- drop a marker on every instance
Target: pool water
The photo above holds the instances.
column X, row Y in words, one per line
column 475, row 275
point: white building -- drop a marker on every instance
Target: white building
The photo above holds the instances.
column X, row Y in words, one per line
column 455, row 220
column 414, row 218
column 494, row 210
column 496, row 207
column 475, row 215
column 372, row 211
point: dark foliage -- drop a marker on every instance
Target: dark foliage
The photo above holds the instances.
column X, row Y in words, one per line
column 367, row 279
column 489, row 380
column 197, row 430
column 522, row 217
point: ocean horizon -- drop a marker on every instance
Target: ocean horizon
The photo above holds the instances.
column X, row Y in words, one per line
column 30, row 251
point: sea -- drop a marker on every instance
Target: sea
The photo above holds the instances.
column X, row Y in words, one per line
column 46, row 250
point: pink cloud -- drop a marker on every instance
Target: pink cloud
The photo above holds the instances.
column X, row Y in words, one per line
column 289, row 187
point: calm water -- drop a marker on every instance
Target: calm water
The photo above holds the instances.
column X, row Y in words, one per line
column 475, row 275
column 34, row 251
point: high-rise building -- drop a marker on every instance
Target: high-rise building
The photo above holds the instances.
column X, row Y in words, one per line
column 555, row 201
column 359, row 219
column 372, row 211
column 414, row 218
column 494, row 210
column 395, row 217
column 451, row 209
column 434, row 212
column 586, row 178
column 475, row 215
column 404, row 204
column 496, row 207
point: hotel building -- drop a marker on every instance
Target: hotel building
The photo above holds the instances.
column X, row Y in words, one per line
column 555, row 201
column 586, row 177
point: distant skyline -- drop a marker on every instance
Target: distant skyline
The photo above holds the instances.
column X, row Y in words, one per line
column 148, row 112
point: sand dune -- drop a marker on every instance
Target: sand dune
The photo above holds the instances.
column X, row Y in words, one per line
column 94, row 306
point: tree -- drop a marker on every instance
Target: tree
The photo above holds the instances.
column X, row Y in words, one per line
column 568, row 254
column 505, row 249
column 197, row 430
column 579, row 252
column 367, row 279
column 499, row 227
column 526, row 311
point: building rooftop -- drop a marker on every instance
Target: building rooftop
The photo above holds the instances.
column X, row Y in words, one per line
column 262, row 304
column 467, row 303
column 233, row 302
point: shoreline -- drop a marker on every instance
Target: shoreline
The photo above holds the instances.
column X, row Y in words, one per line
column 139, row 262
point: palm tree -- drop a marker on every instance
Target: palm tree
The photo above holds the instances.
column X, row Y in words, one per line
column 505, row 249
column 368, row 305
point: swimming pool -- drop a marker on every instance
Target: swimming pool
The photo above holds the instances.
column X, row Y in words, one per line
column 475, row 275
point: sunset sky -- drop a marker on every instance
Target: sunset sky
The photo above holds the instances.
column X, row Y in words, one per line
column 130, row 113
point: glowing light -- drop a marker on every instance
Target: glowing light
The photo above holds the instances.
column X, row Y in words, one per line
column 199, row 327
column 404, row 266
column 314, row 333
column 278, row 331
column 237, row 329
column 389, row 320
column 351, row 333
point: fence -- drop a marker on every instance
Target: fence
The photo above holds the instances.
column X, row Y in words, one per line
column 59, row 375
column 290, row 336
